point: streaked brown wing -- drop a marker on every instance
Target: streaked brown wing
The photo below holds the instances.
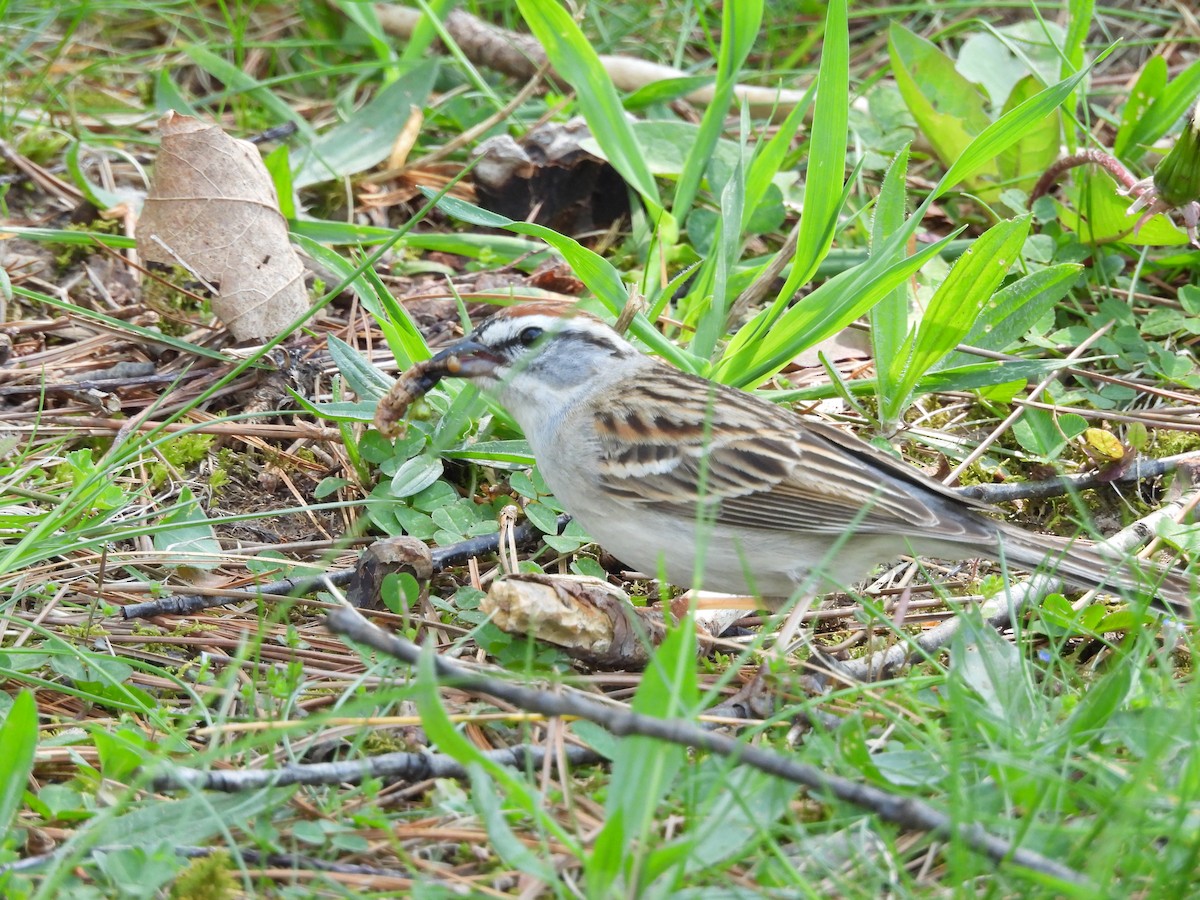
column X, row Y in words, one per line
column 760, row 466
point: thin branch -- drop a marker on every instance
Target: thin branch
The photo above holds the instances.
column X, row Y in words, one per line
column 1140, row 469
column 410, row 767
column 905, row 811
column 443, row 558
column 1000, row 611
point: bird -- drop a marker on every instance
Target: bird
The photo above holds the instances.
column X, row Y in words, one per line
column 719, row 489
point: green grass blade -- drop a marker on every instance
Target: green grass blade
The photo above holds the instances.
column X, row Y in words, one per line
column 955, row 305
column 600, row 276
column 828, row 309
column 445, row 737
column 1079, row 25
column 18, row 741
column 1166, row 109
column 823, row 185
column 739, row 27
column 1004, row 132
column 889, row 317
column 575, row 60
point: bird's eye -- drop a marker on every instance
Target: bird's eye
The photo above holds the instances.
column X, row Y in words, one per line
column 529, row 336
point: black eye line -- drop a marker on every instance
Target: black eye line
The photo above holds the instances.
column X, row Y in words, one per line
column 517, row 340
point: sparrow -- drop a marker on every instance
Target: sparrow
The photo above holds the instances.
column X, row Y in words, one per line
column 715, row 488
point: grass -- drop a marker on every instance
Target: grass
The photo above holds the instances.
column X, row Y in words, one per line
column 177, row 468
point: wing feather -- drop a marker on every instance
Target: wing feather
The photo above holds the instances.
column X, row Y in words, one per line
column 760, row 466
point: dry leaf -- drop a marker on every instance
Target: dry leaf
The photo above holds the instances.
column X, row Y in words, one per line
column 212, row 209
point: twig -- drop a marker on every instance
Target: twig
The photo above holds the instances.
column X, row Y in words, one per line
column 905, row 811
column 1000, row 611
column 1141, row 469
column 520, row 55
column 412, row 767
column 442, row 558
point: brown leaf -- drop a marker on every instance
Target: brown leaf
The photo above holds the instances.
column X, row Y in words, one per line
column 212, row 209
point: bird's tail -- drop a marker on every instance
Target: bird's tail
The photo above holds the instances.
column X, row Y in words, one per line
column 1085, row 566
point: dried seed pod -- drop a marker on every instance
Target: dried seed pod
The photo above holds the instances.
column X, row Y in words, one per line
column 410, row 387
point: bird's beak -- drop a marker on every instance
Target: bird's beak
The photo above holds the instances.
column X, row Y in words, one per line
column 467, row 359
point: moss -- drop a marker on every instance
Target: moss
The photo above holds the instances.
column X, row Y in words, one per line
column 177, row 306
column 1169, row 443
column 68, row 254
column 182, row 452
column 84, row 633
column 206, row 878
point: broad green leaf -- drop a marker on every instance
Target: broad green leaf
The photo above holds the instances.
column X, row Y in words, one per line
column 991, row 667
column 663, row 144
column 189, row 533
column 190, row 820
column 415, row 475
column 1045, row 435
column 368, row 135
column 1016, row 308
column 366, row 380
column 949, row 110
column 1148, row 88
column 1028, row 158
column 1099, row 214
